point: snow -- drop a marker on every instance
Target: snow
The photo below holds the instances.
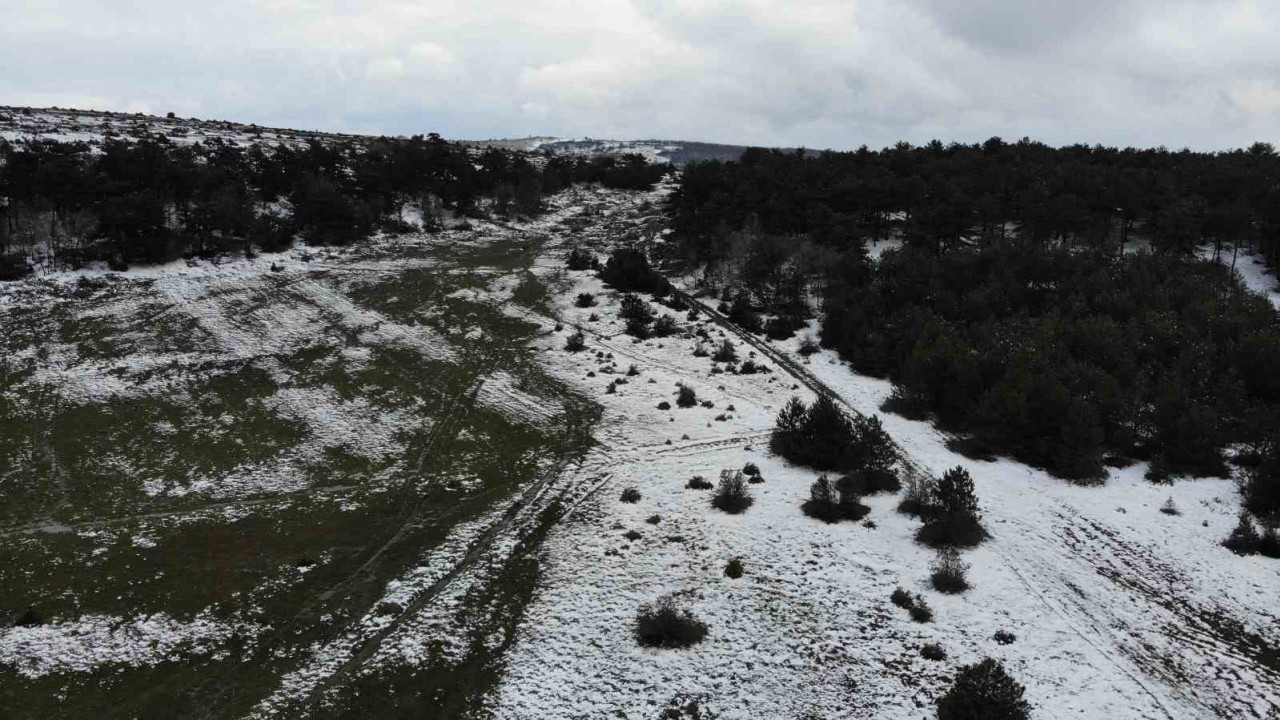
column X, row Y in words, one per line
column 1252, row 270
column 93, row 641
column 1117, row 608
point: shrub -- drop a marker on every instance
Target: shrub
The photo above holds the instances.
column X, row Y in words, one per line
column 933, row 651
column 664, row 405
column 630, row 495
column 580, row 259
column 733, row 570
column 632, row 535
column 1004, row 637
column 686, row 397
column 808, row 346
column 653, row 519
column 750, row 468
column 1269, row 543
column 920, row 499
column 707, row 404
column 576, row 342
column 1244, row 539
column 755, row 479
column 782, row 327
column 665, row 624
column 637, row 328
column 731, row 493
column 632, row 371
column 749, row 367
column 824, row 501
column 31, row 618
column 1168, row 508
column 725, row 352
column 628, row 269
column 901, row 598
column 697, row 482
column 920, row 610
column 585, row 300
column 665, row 327
column 954, row 519
column 949, row 572
column 984, row 691
column 700, row 350
column 869, row 481
column 633, row 306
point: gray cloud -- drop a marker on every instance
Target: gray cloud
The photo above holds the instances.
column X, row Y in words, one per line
column 824, row 73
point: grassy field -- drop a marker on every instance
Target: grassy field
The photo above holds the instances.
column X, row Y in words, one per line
column 279, row 471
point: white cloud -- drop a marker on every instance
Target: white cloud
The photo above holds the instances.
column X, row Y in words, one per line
column 818, row 73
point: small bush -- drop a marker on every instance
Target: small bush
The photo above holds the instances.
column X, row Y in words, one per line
column 585, row 300
column 666, row 624
column 580, row 259
column 733, row 570
column 630, row 495
column 869, row 481
column 664, row 405
column 808, row 346
column 697, row 482
column 725, row 352
column 901, row 598
column 933, row 651
column 31, row 618
column 1168, row 508
column 665, row 327
column 984, row 691
column 750, row 469
column 594, row 318
column 731, row 493
column 653, row 519
column 1244, row 539
column 824, row 501
column 632, row 535
column 920, row 497
column 949, row 572
column 633, row 371
column 628, row 269
column 1269, row 543
column 686, row 397
column 707, row 404
column 749, row 367
column 577, row 342
column 920, row 610
column 1004, row 637
column 961, row 531
column 755, row 479
column 700, row 350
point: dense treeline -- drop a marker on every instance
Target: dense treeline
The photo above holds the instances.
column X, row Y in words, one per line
column 1058, row 356
column 1045, row 303
column 941, row 196
column 151, row 199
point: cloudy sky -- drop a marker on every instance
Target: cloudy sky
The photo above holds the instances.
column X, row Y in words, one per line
column 822, row 73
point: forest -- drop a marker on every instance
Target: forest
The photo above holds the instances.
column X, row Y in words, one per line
column 152, row 200
column 1046, row 304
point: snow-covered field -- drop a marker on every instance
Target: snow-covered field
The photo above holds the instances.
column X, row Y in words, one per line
column 419, row 377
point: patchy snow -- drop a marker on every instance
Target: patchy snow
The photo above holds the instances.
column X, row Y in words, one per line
column 1251, row 268
column 99, row 640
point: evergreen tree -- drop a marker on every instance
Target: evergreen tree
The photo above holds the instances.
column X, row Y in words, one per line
column 984, row 691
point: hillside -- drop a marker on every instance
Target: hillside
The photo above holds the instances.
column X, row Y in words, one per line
column 373, row 480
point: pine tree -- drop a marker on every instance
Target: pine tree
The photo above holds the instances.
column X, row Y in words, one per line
column 1079, row 452
column 1244, row 539
column 984, row 691
column 787, row 432
column 956, row 494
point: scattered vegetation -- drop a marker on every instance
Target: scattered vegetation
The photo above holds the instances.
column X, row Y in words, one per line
column 821, row 436
column 913, row 604
column 697, row 482
column 933, row 651
column 630, row 495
